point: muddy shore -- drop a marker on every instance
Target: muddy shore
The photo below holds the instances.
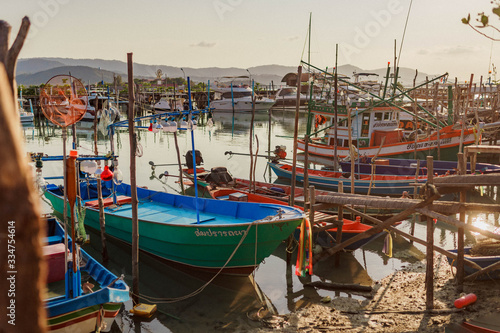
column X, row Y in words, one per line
column 396, row 304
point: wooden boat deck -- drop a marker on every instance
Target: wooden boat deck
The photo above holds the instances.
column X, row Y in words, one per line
column 166, row 214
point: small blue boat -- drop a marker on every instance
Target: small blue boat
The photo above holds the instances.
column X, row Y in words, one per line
column 80, row 308
column 363, row 184
column 483, row 261
column 401, row 167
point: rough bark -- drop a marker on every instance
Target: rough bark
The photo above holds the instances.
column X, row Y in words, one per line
column 20, row 207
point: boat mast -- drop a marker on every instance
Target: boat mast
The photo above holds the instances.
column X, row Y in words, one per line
column 309, row 44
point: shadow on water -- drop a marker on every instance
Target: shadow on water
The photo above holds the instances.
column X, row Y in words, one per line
column 223, row 304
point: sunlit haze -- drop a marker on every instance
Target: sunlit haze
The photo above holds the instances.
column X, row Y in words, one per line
column 237, row 33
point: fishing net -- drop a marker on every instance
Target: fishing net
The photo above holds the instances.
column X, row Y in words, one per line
column 63, row 100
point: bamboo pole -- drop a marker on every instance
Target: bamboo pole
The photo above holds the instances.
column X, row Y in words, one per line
column 434, row 107
column 102, row 221
column 429, row 268
column 306, row 162
column 351, row 148
column 335, row 108
column 133, row 183
column 460, row 233
column 464, row 114
column 340, row 224
column 295, row 136
column 179, row 163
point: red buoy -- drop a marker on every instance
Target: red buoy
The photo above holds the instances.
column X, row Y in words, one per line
column 106, row 175
column 465, row 300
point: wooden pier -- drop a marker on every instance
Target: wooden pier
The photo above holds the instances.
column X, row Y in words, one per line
column 427, row 206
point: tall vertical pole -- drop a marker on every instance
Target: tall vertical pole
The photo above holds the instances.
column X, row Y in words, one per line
column 190, row 121
column 309, row 42
column 133, row 182
column 295, row 135
column 102, row 223
column 462, row 170
column 335, row 87
column 429, row 271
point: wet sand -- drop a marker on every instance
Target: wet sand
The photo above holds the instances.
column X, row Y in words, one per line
column 398, row 305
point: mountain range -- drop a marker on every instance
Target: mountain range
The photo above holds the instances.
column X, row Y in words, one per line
column 35, row 71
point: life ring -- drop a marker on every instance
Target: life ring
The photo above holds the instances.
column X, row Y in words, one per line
column 319, row 120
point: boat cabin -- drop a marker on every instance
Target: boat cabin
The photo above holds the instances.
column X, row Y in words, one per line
column 369, row 128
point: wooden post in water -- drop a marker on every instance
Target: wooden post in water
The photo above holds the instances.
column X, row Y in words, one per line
column 306, row 162
column 464, row 115
column 251, row 178
column 133, row 182
column 429, row 271
column 351, row 148
column 340, row 224
column 462, row 167
column 102, row 221
column 434, row 107
column 295, row 135
column 20, row 206
column 179, row 162
column 269, row 140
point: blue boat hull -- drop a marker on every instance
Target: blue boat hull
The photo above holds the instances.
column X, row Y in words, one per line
column 481, row 261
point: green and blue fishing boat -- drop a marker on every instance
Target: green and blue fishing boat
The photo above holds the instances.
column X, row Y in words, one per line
column 228, row 236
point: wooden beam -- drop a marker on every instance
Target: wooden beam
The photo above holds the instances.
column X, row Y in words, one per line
column 413, row 238
column 377, row 228
column 457, row 223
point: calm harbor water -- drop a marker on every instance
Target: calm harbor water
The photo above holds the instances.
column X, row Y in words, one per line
column 228, row 302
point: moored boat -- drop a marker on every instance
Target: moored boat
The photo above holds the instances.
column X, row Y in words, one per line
column 232, row 237
column 399, row 166
column 363, row 183
column 88, row 307
column 239, row 99
column 349, row 228
column 483, row 261
column 375, row 132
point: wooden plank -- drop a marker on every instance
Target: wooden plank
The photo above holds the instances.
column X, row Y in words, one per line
column 377, row 228
column 413, row 238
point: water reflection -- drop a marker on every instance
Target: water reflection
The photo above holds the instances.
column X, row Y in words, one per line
column 226, row 303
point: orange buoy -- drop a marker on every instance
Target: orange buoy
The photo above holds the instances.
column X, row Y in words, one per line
column 465, row 300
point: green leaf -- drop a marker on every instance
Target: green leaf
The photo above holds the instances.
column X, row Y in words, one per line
column 496, row 11
column 484, row 20
column 466, row 20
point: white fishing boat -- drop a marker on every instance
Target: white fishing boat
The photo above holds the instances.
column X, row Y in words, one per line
column 170, row 102
column 287, row 96
column 239, row 99
column 101, row 103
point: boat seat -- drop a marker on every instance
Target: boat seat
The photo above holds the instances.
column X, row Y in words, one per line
column 51, row 240
column 120, row 200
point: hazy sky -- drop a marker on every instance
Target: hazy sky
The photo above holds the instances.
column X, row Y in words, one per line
column 246, row 33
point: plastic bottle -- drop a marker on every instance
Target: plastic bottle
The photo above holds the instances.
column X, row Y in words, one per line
column 465, row 300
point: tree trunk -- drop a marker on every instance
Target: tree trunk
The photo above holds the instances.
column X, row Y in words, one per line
column 22, row 270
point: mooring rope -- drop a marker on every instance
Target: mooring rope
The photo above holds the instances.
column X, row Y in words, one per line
column 199, row 290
